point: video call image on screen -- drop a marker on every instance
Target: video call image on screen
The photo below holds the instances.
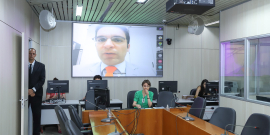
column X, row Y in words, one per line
column 117, row 50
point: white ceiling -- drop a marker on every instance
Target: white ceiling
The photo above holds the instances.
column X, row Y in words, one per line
column 126, row 11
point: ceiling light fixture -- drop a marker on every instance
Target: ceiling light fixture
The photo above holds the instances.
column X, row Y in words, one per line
column 79, row 10
column 211, row 23
column 106, row 12
column 141, row 1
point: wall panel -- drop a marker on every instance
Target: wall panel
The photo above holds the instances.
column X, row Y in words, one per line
column 245, row 20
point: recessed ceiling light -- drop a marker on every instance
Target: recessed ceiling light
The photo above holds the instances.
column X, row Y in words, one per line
column 211, row 23
column 141, row 1
column 79, row 10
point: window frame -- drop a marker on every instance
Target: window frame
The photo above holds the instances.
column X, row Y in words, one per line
column 246, row 70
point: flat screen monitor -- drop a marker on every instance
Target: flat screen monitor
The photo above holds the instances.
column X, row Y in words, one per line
column 55, row 85
column 261, row 98
column 102, row 98
column 96, row 84
column 167, row 86
column 136, row 51
column 212, row 87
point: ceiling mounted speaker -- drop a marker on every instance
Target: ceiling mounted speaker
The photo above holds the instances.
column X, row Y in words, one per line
column 196, row 26
column 47, row 19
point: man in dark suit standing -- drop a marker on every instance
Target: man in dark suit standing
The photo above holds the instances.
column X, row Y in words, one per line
column 35, row 89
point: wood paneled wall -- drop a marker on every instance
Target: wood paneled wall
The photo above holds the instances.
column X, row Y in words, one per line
column 16, row 16
column 188, row 60
column 245, row 20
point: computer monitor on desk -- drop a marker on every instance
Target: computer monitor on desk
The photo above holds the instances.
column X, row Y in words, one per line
column 212, row 88
column 167, row 86
column 96, row 99
column 96, row 84
column 58, row 86
column 102, row 98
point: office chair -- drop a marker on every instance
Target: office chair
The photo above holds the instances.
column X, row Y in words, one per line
column 166, row 98
column 130, row 98
column 154, row 90
column 75, row 117
column 198, row 103
column 90, row 100
column 261, row 121
column 223, row 116
column 72, row 128
column 193, row 91
column 62, row 118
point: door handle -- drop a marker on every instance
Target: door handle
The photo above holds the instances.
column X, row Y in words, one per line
column 23, row 100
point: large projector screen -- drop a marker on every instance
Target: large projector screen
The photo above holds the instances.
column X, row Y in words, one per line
column 117, row 50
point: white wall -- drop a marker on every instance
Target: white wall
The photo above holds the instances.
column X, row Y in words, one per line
column 16, row 17
column 245, row 20
column 188, row 60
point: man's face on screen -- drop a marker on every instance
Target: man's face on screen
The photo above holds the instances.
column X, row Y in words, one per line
column 111, row 45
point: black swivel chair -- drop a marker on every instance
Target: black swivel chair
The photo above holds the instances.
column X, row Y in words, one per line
column 75, row 117
column 195, row 108
column 261, row 121
column 166, row 98
column 72, row 128
column 223, row 116
column 193, row 91
column 62, row 118
column 130, row 98
column 90, row 100
column 154, row 90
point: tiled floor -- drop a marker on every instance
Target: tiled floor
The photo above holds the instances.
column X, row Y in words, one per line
column 50, row 130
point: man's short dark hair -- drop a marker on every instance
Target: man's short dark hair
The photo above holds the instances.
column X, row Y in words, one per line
column 97, row 77
column 55, row 78
column 124, row 29
column 34, row 49
column 146, row 81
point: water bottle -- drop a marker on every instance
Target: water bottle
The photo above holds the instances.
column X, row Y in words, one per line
column 168, row 108
column 109, row 114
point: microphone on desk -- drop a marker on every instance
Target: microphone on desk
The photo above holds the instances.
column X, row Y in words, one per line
column 187, row 118
column 226, row 133
column 113, row 133
column 109, row 113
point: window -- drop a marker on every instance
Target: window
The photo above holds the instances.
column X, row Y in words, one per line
column 245, row 69
column 232, row 68
column 259, row 69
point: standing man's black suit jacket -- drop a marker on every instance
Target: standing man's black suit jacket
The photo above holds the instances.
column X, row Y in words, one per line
column 37, row 78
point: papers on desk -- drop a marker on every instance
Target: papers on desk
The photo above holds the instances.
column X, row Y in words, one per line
column 158, row 107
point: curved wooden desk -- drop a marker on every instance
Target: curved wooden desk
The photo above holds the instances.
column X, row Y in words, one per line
column 152, row 122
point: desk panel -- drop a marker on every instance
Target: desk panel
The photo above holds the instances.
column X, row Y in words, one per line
column 95, row 120
column 149, row 122
column 156, row 122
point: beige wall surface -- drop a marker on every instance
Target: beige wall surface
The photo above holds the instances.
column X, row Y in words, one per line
column 245, row 20
column 187, row 60
column 16, row 17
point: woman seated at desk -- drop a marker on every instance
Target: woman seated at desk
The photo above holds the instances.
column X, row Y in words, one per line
column 143, row 98
column 55, row 95
column 201, row 90
column 96, row 77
